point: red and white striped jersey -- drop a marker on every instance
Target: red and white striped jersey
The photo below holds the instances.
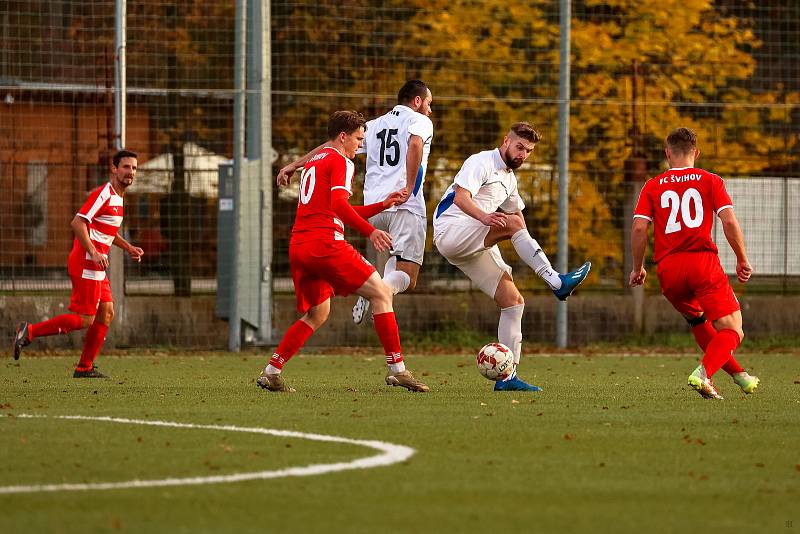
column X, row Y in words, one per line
column 103, row 211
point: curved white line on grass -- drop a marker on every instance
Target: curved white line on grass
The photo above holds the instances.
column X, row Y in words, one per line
column 389, row 454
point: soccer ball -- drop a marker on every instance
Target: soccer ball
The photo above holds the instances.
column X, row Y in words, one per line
column 495, row 361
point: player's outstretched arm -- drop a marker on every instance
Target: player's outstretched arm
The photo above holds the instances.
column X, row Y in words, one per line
column 365, row 212
column 80, row 228
column 735, row 237
column 135, row 253
column 380, row 240
column 638, row 247
column 463, row 200
column 285, row 174
column 349, row 216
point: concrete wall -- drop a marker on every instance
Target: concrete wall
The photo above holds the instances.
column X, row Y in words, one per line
column 184, row 322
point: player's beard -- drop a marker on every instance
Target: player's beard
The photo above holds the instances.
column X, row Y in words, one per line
column 511, row 163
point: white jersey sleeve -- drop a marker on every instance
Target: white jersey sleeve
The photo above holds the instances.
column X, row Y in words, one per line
column 422, row 126
column 472, row 174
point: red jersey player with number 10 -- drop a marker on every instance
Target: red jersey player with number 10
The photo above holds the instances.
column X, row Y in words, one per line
column 323, row 264
column 681, row 203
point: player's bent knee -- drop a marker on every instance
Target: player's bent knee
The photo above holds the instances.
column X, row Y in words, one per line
column 382, row 297
column 106, row 317
column 316, row 318
column 515, row 223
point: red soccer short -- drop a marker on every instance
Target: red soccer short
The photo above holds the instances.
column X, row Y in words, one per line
column 694, row 282
column 86, row 294
column 322, row 270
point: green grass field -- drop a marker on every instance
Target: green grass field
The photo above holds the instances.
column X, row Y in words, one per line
column 614, row 444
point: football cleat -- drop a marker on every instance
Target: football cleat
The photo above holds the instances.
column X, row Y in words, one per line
column 515, row 384
column 21, row 339
column 273, row 382
column 406, row 379
column 702, row 384
column 360, row 310
column 91, row 373
column 747, row 382
column 571, row 281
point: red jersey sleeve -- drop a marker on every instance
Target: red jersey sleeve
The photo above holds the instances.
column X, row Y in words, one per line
column 644, row 206
column 96, row 200
column 342, row 171
column 348, row 215
column 720, row 198
column 369, row 210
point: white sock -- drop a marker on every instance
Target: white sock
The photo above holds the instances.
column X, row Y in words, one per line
column 397, row 280
column 509, row 329
column 272, row 370
column 531, row 253
column 397, row 367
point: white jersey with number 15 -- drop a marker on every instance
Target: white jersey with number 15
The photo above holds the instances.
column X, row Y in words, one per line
column 386, row 146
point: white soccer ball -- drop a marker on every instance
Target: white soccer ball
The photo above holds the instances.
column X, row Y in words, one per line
column 495, row 361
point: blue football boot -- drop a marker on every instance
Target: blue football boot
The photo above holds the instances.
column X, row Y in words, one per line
column 515, row 384
column 570, row 281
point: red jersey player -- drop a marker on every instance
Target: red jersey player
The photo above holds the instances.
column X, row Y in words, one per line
column 681, row 204
column 323, row 264
column 96, row 227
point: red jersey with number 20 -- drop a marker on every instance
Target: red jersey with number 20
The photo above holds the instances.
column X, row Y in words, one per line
column 315, row 220
column 682, row 204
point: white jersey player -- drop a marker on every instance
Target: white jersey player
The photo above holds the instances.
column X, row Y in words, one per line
column 397, row 146
column 483, row 207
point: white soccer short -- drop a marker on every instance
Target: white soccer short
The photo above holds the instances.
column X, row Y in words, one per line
column 462, row 245
column 408, row 233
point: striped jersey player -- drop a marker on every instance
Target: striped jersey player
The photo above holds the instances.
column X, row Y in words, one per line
column 96, row 227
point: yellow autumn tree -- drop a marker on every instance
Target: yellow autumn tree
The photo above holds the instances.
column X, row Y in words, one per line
column 493, row 63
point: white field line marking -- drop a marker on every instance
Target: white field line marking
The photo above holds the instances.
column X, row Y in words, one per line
column 389, row 454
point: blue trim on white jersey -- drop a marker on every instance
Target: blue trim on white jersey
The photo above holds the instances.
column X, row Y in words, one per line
column 418, row 182
column 446, row 202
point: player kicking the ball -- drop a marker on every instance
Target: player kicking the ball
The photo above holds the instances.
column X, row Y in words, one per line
column 482, row 208
column 323, row 264
column 682, row 203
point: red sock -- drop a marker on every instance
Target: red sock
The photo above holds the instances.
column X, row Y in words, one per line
column 61, row 324
column 293, row 339
column 720, row 350
column 732, row 367
column 389, row 334
column 703, row 334
column 95, row 336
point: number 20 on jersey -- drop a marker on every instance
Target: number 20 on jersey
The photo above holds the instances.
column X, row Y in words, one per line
column 679, row 206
